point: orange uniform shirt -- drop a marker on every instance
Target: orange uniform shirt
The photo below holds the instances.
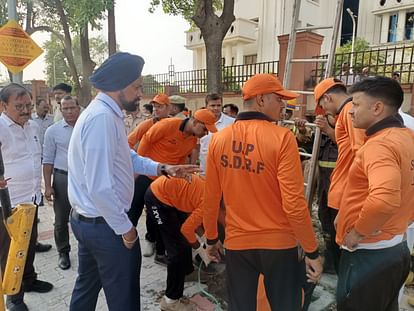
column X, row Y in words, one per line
column 379, row 196
column 136, row 135
column 256, row 165
column 165, row 142
column 184, row 196
column 349, row 140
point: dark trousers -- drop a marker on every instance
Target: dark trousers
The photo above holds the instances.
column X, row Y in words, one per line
column 169, row 221
column 153, row 235
column 327, row 217
column 370, row 280
column 105, row 262
column 29, row 274
column 61, row 207
column 332, row 248
column 283, row 277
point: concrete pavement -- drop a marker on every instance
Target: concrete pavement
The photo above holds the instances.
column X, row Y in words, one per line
column 153, row 278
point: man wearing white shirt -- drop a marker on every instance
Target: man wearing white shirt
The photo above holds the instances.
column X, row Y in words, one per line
column 101, row 186
column 42, row 117
column 44, row 120
column 214, row 103
column 55, row 161
column 20, row 145
column 59, row 91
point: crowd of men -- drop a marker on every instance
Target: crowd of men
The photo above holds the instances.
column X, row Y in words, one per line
column 216, row 183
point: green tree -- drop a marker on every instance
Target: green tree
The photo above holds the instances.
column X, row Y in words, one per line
column 65, row 18
column 57, row 69
column 213, row 27
column 363, row 56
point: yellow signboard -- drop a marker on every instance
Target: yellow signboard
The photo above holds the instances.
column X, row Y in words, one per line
column 17, row 49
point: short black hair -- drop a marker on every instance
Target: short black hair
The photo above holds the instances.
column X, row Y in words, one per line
column 68, row 97
column 149, row 107
column 233, row 108
column 337, row 88
column 39, row 100
column 13, row 89
column 388, row 90
column 213, row 96
column 64, row 87
column 180, row 107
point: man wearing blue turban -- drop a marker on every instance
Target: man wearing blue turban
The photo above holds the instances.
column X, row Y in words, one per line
column 101, row 170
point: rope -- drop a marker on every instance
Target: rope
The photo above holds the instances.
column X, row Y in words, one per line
column 209, row 296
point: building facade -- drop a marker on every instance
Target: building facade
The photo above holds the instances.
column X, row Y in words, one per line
column 252, row 38
column 389, row 22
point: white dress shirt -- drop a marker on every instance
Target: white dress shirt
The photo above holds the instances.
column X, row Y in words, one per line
column 221, row 123
column 43, row 124
column 56, row 144
column 100, row 169
column 21, row 151
column 408, row 120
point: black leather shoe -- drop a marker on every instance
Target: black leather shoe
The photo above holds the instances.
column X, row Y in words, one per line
column 17, row 307
column 42, row 203
column 64, row 261
column 38, row 287
column 41, row 248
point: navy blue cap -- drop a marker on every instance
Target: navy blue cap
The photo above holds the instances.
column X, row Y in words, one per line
column 117, row 72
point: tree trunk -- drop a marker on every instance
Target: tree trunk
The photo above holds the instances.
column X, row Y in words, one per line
column 214, row 63
column 87, row 67
column 213, row 29
column 111, row 30
column 67, row 43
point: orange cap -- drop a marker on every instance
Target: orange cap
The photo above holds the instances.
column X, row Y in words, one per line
column 161, row 99
column 324, row 86
column 208, row 118
column 265, row 83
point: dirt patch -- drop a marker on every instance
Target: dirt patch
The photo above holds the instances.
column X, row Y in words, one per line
column 217, row 283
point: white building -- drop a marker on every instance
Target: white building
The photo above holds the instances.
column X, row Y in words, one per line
column 389, row 24
column 253, row 35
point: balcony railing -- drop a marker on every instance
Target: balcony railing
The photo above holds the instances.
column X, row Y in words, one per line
column 195, row 81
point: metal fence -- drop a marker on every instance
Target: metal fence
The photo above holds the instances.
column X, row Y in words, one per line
column 381, row 61
column 374, row 62
column 195, row 81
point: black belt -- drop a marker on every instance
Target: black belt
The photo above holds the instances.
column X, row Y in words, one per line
column 91, row 220
column 56, row 170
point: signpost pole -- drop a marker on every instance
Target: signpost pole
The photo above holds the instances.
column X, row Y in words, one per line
column 12, row 14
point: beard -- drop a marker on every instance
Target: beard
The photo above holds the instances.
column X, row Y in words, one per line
column 129, row 106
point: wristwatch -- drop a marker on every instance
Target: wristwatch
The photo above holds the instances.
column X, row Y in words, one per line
column 163, row 170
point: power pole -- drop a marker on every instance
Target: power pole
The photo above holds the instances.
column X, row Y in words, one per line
column 12, row 14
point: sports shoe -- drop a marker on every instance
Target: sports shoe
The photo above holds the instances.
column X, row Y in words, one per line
column 182, row 304
column 148, row 248
column 161, row 260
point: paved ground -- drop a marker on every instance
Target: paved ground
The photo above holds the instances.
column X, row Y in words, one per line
column 152, row 279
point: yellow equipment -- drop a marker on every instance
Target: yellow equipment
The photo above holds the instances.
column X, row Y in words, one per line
column 18, row 223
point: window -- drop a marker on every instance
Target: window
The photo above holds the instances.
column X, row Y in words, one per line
column 250, row 59
column 409, row 26
column 392, row 28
